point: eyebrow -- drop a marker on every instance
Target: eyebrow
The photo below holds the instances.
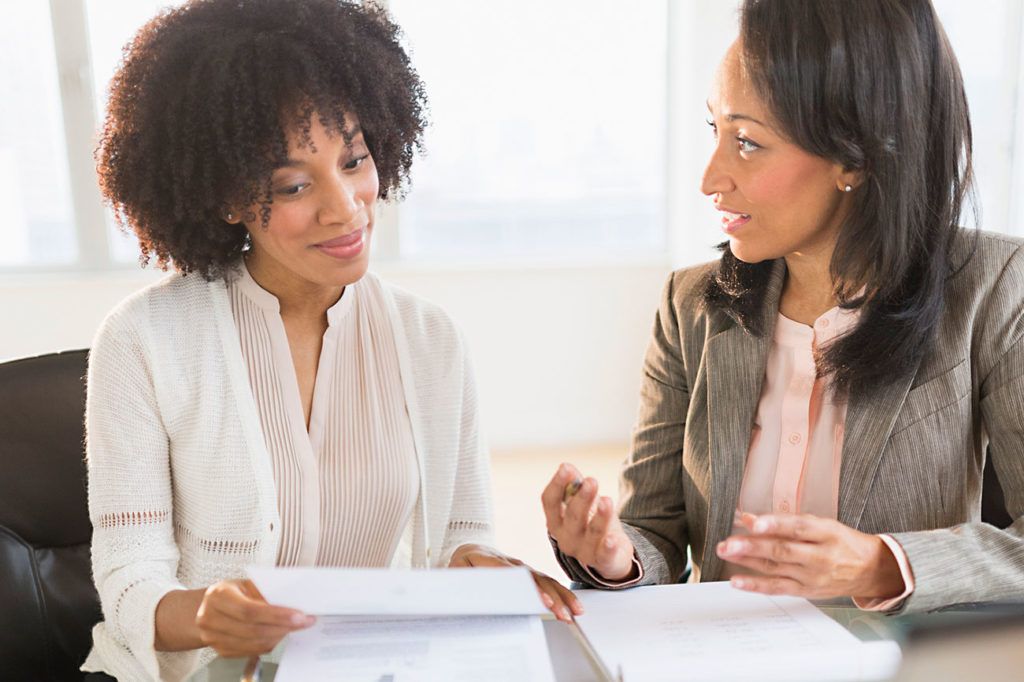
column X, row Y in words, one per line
column 740, row 117
column 351, row 134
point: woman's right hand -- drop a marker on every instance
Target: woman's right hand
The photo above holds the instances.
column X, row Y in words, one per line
column 235, row 620
column 586, row 527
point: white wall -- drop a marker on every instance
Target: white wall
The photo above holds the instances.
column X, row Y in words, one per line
column 557, row 350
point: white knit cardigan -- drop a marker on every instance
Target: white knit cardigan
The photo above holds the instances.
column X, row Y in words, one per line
column 181, row 492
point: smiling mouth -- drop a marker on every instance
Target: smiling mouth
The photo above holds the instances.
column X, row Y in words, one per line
column 732, row 221
column 344, row 247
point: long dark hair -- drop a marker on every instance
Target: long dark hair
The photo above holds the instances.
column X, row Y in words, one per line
column 872, row 85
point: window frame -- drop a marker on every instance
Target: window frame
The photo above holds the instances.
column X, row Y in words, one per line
column 688, row 41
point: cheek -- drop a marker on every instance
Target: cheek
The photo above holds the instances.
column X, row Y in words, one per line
column 786, row 187
column 287, row 222
column 369, row 188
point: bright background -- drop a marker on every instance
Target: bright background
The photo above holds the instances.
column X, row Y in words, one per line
column 559, row 190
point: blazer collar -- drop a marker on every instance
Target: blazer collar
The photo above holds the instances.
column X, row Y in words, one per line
column 736, row 362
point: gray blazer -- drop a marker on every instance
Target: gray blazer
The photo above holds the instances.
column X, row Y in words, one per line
column 912, row 458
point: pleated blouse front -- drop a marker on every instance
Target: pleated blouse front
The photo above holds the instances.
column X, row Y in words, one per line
column 346, row 489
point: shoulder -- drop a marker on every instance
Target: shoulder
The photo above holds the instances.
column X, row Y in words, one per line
column 685, row 299
column 175, row 302
column 434, row 341
column 988, row 270
column 686, row 286
column 419, row 318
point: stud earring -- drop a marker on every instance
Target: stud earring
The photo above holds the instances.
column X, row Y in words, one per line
column 848, row 188
column 231, row 216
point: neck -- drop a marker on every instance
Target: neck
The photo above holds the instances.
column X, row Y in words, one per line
column 809, row 290
column 298, row 298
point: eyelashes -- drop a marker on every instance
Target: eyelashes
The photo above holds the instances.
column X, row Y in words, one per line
column 745, row 145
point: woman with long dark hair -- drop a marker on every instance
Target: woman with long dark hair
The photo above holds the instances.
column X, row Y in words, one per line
column 818, row 405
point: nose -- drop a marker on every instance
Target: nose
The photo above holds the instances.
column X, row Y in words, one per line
column 340, row 203
column 716, row 178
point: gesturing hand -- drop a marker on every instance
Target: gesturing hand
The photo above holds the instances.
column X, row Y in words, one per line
column 558, row 598
column 813, row 557
column 236, row 620
column 586, row 526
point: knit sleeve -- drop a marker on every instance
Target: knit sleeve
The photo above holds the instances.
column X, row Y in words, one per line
column 472, row 515
column 134, row 554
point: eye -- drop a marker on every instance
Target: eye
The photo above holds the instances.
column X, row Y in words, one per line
column 714, row 128
column 746, row 145
column 292, row 190
column 356, row 162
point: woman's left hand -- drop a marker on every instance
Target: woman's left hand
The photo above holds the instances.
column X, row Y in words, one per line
column 558, row 598
column 812, row 557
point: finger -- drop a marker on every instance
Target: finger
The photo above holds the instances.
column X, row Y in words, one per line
column 551, row 590
column 804, row 527
column 601, row 522
column 607, row 541
column 487, row 561
column 568, row 597
column 551, row 498
column 221, row 629
column 249, row 589
column 231, row 646
column 769, row 585
column 774, row 549
column 232, row 603
column 547, row 588
column 577, row 510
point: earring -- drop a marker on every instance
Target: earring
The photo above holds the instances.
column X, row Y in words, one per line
column 231, row 216
column 848, row 188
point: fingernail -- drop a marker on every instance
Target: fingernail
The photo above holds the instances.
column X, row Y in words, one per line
column 548, row 601
column 566, row 616
column 740, row 583
column 299, row 618
column 577, row 608
column 762, row 526
column 609, row 542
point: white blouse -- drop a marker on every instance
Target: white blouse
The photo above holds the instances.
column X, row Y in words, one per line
column 346, row 489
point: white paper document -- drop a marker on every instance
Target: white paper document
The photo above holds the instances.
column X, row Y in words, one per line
column 454, row 649
column 387, row 592
column 714, row 632
column 380, row 625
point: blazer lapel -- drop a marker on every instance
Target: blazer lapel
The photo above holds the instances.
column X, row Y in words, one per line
column 869, row 421
column 735, row 368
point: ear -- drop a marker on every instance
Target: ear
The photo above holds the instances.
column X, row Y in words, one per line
column 849, row 180
column 232, row 216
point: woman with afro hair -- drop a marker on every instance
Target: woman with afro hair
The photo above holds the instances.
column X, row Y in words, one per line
column 269, row 403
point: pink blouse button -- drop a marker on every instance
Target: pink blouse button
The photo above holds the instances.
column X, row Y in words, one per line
column 823, row 323
column 784, row 507
column 794, row 438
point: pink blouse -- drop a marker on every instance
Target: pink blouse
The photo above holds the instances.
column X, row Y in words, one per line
column 796, row 446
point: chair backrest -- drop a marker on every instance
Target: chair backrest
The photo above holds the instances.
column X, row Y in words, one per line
column 993, row 502
column 48, row 603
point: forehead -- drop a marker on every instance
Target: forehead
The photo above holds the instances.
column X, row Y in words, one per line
column 732, row 90
column 306, row 135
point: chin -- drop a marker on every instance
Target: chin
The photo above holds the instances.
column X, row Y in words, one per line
column 349, row 273
column 749, row 253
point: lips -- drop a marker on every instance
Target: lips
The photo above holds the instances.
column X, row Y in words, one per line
column 732, row 220
column 344, row 247
column 344, row 240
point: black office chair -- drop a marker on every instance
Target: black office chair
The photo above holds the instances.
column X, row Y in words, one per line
column 48, row 603
column 993, row 504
